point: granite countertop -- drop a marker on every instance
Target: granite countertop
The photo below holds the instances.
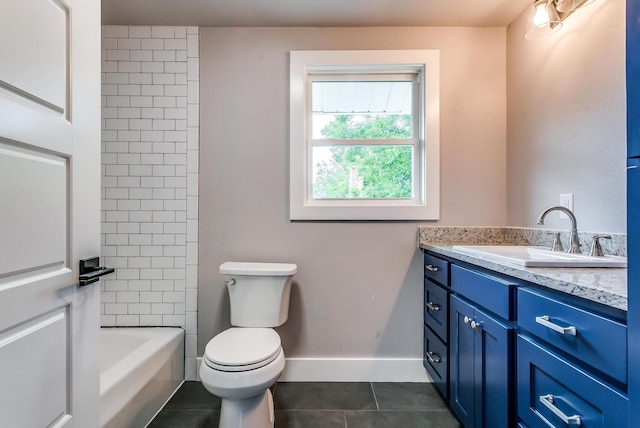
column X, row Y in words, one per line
column 607, row 286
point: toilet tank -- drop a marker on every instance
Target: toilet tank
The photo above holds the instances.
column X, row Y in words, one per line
column 258, row 292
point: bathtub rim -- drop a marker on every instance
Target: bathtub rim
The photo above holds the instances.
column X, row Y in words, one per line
column 116, row 394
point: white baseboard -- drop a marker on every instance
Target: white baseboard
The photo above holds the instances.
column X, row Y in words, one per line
column 351, row 370
column 354, row 370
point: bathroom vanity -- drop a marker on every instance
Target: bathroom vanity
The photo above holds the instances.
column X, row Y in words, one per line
column 529, row 347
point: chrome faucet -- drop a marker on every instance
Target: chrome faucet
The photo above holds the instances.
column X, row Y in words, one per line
column 574, row 241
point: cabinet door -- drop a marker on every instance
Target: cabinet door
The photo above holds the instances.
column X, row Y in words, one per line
column 494, row 349
column 462, row 364
column 480, row 368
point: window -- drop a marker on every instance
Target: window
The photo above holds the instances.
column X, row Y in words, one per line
column 364, row 135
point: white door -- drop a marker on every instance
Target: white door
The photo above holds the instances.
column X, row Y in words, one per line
column 49, row 212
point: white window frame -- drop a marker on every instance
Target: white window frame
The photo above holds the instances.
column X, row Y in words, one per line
column 425, row 204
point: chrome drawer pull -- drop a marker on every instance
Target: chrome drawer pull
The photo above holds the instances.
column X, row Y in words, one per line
column 433, row 357
column 545, row 321
column 433, row 306
column 432, row 268
column 547, row 400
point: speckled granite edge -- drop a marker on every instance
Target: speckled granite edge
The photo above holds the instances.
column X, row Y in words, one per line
column 616, row 246
column 605, row 286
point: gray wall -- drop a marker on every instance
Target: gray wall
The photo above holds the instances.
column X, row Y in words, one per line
column 358, row 290
column 566, row 120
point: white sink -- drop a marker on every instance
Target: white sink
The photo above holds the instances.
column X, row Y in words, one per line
column 538, row 256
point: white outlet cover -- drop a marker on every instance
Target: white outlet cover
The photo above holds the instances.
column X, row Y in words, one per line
column 566, row 200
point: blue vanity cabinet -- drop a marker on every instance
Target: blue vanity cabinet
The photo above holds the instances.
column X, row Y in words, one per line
column 436, row 321
column 517, row 354
column 481, row 352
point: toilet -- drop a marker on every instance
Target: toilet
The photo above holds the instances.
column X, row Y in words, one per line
column 241, row 363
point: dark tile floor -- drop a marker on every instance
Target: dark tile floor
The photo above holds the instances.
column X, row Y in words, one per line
column 322, row 405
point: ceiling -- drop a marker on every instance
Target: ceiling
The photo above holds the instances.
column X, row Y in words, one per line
column 313, row 13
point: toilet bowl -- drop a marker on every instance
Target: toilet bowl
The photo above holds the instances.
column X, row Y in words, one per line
column 241, row 363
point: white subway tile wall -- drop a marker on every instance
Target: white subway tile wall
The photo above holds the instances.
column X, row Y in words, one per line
column 150, row 109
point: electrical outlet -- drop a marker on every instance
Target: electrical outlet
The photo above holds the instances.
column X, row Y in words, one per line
column 566, row 200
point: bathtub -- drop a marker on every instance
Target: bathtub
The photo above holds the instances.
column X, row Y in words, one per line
column 140, row 368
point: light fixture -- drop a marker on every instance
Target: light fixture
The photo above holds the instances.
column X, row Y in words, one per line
column 567, row 6
column 545, row 20
column 544, row 14
column 547, row 16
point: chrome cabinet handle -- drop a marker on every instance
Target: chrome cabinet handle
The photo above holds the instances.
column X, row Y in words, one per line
column 466, row 320
column 547, row 400
column 475, row 325
column 432, row 268
column 433, row 306
column 433, row 358
column 546, row 321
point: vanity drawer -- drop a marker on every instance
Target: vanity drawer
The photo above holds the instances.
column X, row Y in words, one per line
column 436, row 308
column 436, row 360
column 436, row 269
column 484, row 290
column 551, row 390
column 599, row 342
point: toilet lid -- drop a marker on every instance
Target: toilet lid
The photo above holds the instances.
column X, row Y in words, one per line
column 240, row 349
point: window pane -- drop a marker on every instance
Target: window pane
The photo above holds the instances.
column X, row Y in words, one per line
column 359, row 172
column 362, row 109
column 360, row 126
column 361, row 96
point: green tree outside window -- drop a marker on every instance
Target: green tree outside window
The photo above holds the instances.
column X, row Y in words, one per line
column 366, row 171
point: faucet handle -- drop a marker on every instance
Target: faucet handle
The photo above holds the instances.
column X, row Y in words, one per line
column 596, row 248
column 557, row 243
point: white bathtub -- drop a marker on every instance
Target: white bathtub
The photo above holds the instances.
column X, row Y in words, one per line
column 140, row 368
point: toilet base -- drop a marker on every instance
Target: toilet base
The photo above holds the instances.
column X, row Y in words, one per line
column 252, row 412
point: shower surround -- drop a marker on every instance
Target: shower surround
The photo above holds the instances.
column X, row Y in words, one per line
column 150, row 119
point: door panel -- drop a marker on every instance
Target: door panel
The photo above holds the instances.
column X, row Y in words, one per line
column 36, row 206
column 49, row 212
column 40, row 52
column 46, row 388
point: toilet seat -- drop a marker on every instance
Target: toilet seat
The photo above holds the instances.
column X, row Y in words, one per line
column 242, row 349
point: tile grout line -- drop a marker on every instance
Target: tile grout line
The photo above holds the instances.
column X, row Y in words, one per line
column 374, row 395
